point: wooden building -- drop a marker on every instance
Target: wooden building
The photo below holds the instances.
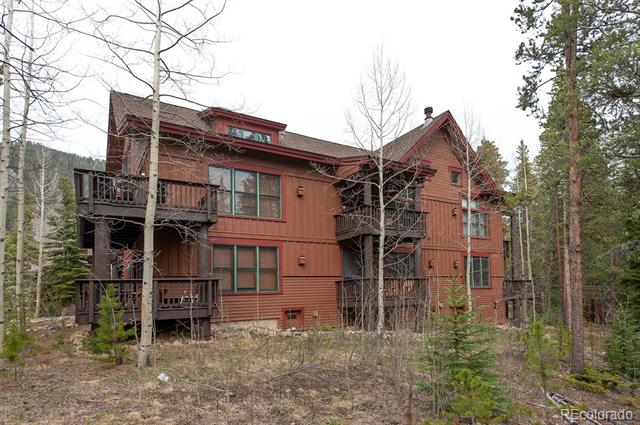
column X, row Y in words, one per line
column 259, row 225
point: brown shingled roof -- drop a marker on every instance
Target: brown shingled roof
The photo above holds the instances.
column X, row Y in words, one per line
column 396, row 149
column 319, row 146
column 124, row 105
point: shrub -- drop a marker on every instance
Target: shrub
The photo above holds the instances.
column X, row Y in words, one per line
column 111, row 333
column 595, row 381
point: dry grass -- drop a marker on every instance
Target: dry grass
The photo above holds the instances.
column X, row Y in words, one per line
column 319, row 378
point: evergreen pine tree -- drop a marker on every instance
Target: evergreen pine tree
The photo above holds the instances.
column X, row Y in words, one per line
column 474, row 399
column 66, row 261
column 16, row 342
column 491, row 160
column 540, row 352
column 110, row 333
column 460, row 342
column 623, row 345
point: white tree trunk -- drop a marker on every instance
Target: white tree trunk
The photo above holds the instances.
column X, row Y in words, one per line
column 4, row 157
column 526, row 224
column 381, row 239
column 467, row 279
column 41, row 215
column 147, row 324
column 20, row 297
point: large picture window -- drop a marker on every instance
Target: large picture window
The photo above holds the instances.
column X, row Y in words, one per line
column 480, row 277
column 246, row 268
column 479, row 220
column 249, row 193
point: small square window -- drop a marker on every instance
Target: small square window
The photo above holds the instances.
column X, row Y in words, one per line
column 455, row 178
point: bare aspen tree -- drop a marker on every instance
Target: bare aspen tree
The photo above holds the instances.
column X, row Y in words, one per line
column 146, row 315
column 27, row 79
column 524, row 161
column 4, row 155
column 382, row 196
column 523, row 298
column 383, row 103
column 45, row 192
column 469, row 166
column 175, row 27
column 478, row 184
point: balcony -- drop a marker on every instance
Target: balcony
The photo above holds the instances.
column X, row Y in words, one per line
column 400, row 223
column 104, row 194
column 403, row 291
column 173, row 298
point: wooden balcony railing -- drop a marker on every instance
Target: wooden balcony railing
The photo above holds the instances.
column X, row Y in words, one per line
column 173, row 298
column 363, row 220
column 400, row 290
column 95, row 189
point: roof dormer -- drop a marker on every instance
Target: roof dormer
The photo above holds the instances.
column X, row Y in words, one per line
column 241, row 126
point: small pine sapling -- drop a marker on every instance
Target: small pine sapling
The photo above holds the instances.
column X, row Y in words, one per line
column 458, row 342
column 623, row 345
column 540, row 354
column 474, row 400
column 17, row 340
column 563, row 339
column 541, row 358
column 111, row 332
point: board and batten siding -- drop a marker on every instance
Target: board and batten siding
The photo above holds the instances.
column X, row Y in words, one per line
column 445, row 244
column 306, row 228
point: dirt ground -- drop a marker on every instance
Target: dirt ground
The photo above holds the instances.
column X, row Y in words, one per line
column 326, row 378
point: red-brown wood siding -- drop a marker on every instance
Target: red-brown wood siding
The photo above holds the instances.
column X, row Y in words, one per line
column 446, row 244
column 307, row 229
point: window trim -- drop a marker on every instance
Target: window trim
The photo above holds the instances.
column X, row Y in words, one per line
column 453, row 183
column 256, row 243
column 456, row 170
column 477, row 255
column 480, row 210
column 232, row 165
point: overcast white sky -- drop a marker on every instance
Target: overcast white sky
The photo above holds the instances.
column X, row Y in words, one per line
column 299, row 62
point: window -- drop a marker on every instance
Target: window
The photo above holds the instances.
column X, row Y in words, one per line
column 222, row 177
column 398, row 264
column 247, row 193
column 480, row 277
column 256, row 136
column 479, row 220
column 456, row 178
column 246, row 268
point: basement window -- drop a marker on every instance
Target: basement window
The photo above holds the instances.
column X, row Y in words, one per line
column 256, row 136
column 293, row 319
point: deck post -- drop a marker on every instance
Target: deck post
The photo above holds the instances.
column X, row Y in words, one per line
column 204, row 251
column 92, row 300
column 102, row 246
